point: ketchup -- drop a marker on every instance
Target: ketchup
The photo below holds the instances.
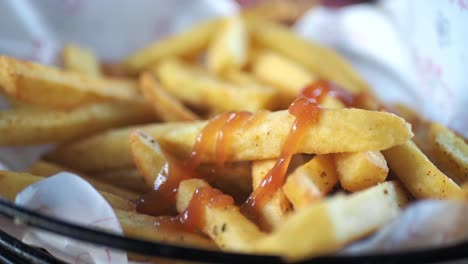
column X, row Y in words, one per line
column 193, row 217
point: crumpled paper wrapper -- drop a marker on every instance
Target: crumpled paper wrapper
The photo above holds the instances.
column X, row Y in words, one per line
column 405, row 58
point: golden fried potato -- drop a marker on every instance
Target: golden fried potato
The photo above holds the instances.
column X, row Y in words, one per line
column 165, row 106
column 229, row 47
column 318, row 59
column 206, row 91
column 450, row 152
column 311, row 181
column 339, row 130
column 361, row 170
column 330, row 224
column 30, row 126
column 78, row 59
column 186, row 43
column 417, row 173
column 50, row 87
column 228, row 228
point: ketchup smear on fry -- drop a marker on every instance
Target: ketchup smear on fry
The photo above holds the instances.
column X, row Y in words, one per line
column 192, row 218
column 217, row 134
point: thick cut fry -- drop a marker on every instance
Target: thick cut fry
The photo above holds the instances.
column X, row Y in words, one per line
column 154, row 167
column 419, row 175
column 149, row 159
column 197, row 87
column 78, row 59
column 281, row 73
column 276, row 209
column 228, row 228
column 46, row 169
column 338, row 130
column 47, row 86
column 11, row 183
column 450, row 152
column 311, row 181
column 183, row 44
column 129, row 178
column 166, row 107
column 334, row 222
column 39, row 126
column 360, row 170
column 146, row 227
column 228, row 49
column 318, row 59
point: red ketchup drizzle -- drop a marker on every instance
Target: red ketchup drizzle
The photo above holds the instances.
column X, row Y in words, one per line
column 217, row 134
column 192, row 218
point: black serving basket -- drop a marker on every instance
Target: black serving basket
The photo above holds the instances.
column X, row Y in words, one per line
column 14, row 251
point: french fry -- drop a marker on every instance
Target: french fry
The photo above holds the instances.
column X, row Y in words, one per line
column 146, row 227
column 333, row 223
column 46, row 169
column 154, row 167
column 281, row 73
column 277, row 208
column 450, row 152
column 229, row 48
column 361, row 170
column 166, row 107
column 311, row 181
column 129, row 178
column 203, row 90
column 117, row 202
column 417, row 173
column 318, row 59
column 81, row 60
column 50, row 87
column 183, row 44
column 30, row 126
column 228, row 228
column 150, row 160
column 338, row 130
column 11, row 183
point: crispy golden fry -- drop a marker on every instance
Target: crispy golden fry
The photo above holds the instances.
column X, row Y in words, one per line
column 117, row 202
column 330, row 224
column 234, row 179
column 50, row 87
column 339, row 130
column 149, row 158
column 11, row 183
column 130, row 179
column 146, row 227
column 450, row 152
column 229, row 48
column 183, row 44
column 228, row 228
column 204, row 90
column 46, row 169
column 318, row 59
column 285, row 11
column 154, row 167
column 419, row 175
column 30, row 126
column 276, row 209
column 78, row 59
column 360, row 170
column 117, row 155
column 166, row 107
column 311, row 181
column 281, row 73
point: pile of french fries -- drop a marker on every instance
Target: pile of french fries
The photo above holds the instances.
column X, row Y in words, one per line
column 351, row 172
